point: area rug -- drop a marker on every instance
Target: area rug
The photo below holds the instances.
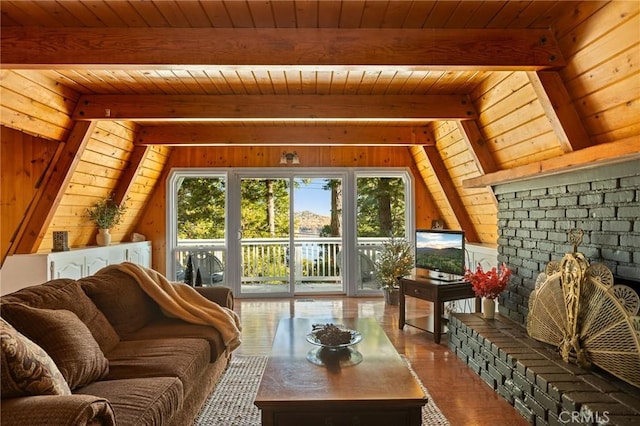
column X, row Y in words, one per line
column 231, row 403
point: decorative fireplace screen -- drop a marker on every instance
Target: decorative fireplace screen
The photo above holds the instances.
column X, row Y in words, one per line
column 577, row 307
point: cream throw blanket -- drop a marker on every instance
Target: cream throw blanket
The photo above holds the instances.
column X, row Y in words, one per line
column 181, row 301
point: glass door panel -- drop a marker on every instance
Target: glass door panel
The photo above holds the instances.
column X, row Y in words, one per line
column 380, row 214
column 199, row 256
column 317, row 238
column 265, row 242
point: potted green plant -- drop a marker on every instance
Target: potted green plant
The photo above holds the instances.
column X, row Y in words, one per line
column 105, row 214
column 395, row 260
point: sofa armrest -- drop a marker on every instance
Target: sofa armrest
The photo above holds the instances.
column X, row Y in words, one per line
column 223, row 296
column 57, row 409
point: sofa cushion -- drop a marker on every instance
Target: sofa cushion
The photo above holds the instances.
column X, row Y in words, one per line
column 148, row 401
column 121, row 299
column 172, row 327
column 65, row 338
column 185, row 359
column 26, row 369
column 67, row 294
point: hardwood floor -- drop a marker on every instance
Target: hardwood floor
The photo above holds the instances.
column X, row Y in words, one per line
column 464, row 398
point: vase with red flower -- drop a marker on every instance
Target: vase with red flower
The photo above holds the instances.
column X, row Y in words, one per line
column 488, row 285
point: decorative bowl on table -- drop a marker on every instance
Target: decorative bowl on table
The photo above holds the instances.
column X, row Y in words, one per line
column 334, row 346
column 333, row 336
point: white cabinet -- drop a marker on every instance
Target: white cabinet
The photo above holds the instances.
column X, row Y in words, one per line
column 484, row 254
column 66, row 265
column 23, row 270
column 139, row 253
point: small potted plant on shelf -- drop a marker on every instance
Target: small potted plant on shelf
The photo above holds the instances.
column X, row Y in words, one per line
column 488, row 285
column 105, row 214
column 395, row 260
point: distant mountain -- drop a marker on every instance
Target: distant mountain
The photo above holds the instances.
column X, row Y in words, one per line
column 310, row 223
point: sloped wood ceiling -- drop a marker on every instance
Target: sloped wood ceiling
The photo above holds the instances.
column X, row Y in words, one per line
column 476, row 92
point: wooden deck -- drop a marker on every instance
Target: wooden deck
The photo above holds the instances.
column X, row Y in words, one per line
column 464, row 398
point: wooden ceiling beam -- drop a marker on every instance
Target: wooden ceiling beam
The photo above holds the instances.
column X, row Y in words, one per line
column 49, row 195
column 558, row 107
column 125, row 182
column 273, row 107
column 276, row 136
column 599, row 155
column 166, row 48
column 477, row 145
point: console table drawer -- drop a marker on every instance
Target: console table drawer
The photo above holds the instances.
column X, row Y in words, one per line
column 418, row 291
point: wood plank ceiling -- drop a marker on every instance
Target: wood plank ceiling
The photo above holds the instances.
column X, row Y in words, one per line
column 223, row 72
column 314, row 73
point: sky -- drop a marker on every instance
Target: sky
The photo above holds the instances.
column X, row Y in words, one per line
column 313, row 197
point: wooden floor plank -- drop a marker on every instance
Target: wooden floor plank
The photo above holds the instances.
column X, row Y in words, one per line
column 464, row 398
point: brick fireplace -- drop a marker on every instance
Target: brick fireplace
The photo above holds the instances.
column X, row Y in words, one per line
column 534, row 218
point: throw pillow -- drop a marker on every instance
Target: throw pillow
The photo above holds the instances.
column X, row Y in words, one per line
column 26, row 369
column 66, row 294
column 66, row 339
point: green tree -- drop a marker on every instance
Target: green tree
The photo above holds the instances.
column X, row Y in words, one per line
column 381, row 207
column 335, row 227
column 201, row 208
column 265, row 208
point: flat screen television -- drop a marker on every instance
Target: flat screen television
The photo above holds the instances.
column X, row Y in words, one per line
column 440, row 254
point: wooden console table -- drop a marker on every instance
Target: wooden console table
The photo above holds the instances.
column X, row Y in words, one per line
column 434, row 291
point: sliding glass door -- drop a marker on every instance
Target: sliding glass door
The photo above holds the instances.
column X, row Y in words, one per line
column 264, row 228
column 381, row 213
column 199, row 229
column 284, row 232
column 290, row 235
column 317, row 235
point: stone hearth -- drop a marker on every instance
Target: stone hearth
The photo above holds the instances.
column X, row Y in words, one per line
column 532, row 376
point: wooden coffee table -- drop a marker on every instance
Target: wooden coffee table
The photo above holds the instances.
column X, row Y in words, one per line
column 378, row 390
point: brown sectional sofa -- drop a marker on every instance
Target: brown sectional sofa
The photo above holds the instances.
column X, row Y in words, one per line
column 124, row 362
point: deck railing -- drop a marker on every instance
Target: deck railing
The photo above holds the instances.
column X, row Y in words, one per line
column 268, row 260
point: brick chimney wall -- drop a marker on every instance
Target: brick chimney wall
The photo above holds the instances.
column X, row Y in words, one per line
column 535, row 216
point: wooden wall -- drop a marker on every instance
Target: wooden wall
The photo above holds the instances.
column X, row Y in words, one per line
column 24, row 159
column 40, row 110
column 600, row 42
column 153, row 223
column 102, row 165
column 602, row 76
column 479, row 203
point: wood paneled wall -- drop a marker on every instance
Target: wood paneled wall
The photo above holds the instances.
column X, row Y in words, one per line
column 40, row 109
column 513, row 122
column 153, row 223
column 603, row 80
column 101, row 166
column 479, row 203
column 599, row 40
column 602, row 74
column 24, row 159
column 27, row 159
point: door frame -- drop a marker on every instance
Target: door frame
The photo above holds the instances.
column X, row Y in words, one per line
column 290, row 173
column 233, row 269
